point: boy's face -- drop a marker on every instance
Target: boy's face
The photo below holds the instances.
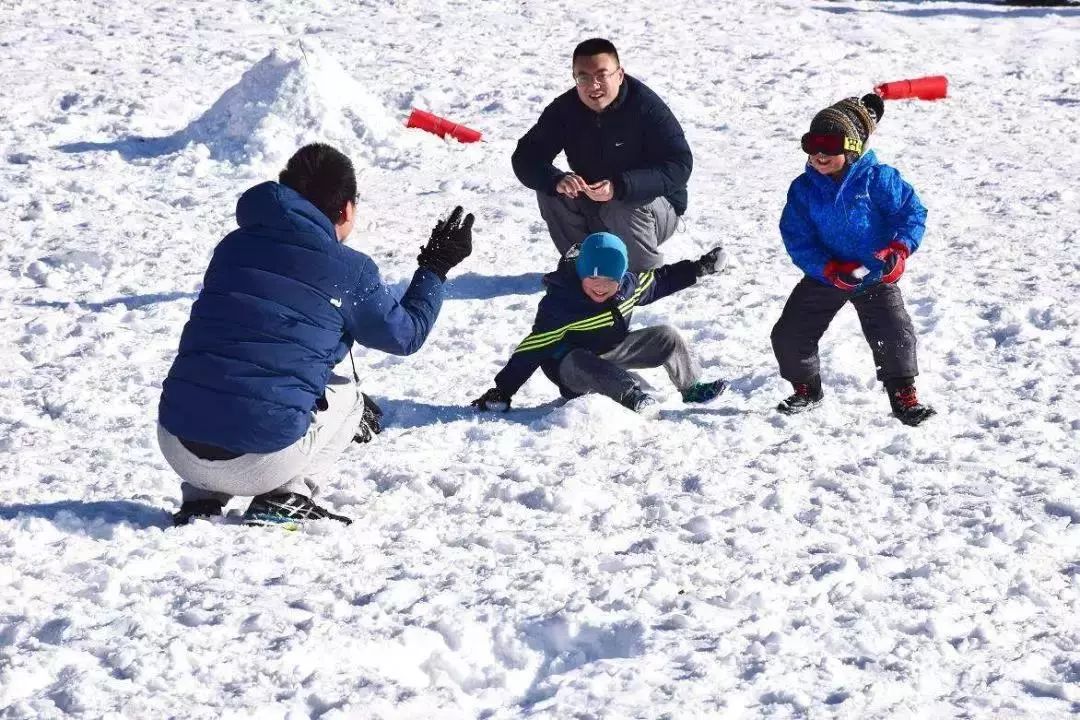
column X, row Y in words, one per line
column 827, row 164
column 599, row 289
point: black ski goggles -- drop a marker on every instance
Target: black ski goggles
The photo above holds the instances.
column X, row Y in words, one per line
column 813, row 143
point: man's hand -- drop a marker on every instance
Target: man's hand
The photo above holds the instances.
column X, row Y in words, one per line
column 600, row 191
column 711, row 262
column 370, row 421
column 493, row 399
column 450, row 243
column 893, row 256
column 840, row 274
column 571, row 185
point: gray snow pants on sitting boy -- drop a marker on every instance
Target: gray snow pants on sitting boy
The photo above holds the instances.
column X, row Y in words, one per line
column 810, row 309
column 291, row 469
column 583, row 371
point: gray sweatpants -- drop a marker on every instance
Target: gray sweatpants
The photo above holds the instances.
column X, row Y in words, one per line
column 642, row 227
column 583, row 371
column 812, row 306
column 291, row 469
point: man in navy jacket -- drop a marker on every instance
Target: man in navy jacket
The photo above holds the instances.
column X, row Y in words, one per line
column 629, row 160
column 251, row 405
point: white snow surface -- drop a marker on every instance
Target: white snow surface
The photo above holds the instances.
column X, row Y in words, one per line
column 553, row 562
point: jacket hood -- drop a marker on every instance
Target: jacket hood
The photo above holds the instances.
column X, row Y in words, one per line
column 563, row 278
column 278, row 207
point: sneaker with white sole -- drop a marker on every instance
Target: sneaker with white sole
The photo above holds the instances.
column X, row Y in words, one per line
column 287, row 509
column 703, row 392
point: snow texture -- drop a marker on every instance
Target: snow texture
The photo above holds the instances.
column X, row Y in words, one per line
column 550, row 562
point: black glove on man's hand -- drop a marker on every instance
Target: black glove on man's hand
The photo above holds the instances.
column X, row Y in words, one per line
column 493, row 399
column 450, row 243
column 370, row 421
column 372, row 414
column 711, row 262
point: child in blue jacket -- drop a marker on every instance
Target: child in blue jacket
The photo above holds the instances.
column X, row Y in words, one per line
column 850, row 223
column 581, row 337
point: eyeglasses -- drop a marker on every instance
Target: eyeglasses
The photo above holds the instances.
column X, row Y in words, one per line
column 830, row 144
column 603, row 77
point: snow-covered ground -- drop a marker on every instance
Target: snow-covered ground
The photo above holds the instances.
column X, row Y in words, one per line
column 555, row 562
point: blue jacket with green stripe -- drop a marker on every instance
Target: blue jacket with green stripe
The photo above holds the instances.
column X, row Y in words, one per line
column 567, row 319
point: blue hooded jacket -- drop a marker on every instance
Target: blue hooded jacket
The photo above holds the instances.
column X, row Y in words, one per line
column 567, row 318
column 282, row 301
column 635, row 142
column 850, row 220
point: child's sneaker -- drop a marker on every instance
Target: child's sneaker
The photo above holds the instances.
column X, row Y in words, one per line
column 906, row 406
column 702, row 392
column 640, row 402
column 807, row 396
column 191, row 509
column 287, row 509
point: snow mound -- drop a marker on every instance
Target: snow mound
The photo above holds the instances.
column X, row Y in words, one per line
column 296, row 95
column 590, row 415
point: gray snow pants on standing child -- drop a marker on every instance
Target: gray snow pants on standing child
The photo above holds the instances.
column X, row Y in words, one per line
column 813, row 305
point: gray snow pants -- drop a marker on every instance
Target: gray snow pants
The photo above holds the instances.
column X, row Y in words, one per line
column 291, row 469
column 812, row 306
column 583, row 371
column 642, row 227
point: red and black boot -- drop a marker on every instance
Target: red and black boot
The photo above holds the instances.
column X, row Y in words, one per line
column 905, row 402
column 807, row 396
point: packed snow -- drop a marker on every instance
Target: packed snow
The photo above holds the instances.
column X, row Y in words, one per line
column 572, row 561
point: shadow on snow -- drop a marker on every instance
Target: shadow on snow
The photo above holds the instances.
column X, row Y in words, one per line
column 77, row 514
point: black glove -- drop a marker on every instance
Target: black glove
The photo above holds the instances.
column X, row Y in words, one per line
column 711, row 262
column 370, row 421
column 493, row 399
column 450, row 243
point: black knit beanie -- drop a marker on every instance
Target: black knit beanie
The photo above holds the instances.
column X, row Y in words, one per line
column 854, row 118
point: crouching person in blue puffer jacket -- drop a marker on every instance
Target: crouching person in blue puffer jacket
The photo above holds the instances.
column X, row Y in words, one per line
column 252, row 405
column 850, row 223
column 581, row 337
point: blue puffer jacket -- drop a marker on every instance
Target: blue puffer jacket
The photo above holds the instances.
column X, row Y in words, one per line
column 852, row 219
column 282, row 301
column 635, row 142
column 567, row 318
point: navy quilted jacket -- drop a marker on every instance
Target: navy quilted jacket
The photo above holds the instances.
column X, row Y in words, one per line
column 282, row 301
column 635, row 142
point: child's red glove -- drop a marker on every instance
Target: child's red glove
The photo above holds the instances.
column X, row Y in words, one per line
column 839, row 274
column 893, row 255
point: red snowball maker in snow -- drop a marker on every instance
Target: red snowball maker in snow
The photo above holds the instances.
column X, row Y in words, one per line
column 933, row 87
column 441, row 127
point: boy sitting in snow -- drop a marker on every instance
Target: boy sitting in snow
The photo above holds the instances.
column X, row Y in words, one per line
column 581, row 337
column 850, row 224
